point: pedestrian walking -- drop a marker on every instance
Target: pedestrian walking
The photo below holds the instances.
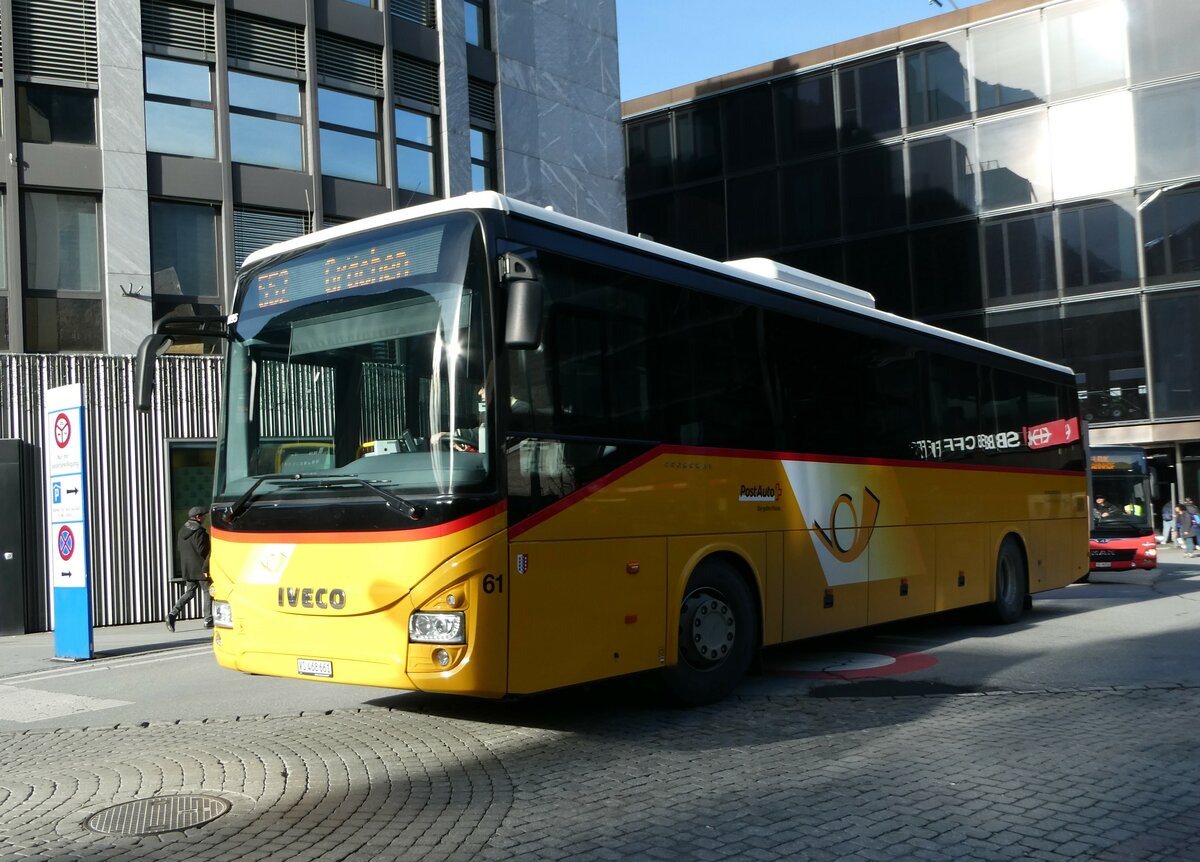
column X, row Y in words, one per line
column 1185, row 529
column 1168, row 518
column 192, row 546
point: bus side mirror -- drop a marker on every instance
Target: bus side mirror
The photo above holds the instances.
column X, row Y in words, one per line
column 523, row 327
column 149, row 350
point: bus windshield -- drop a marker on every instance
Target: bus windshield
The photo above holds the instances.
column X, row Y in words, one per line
column 357, row 369
column 1120, row 494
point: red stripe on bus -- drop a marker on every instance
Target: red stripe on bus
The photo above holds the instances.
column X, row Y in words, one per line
column 587, row 490
column 659, row 451
column 437, row 532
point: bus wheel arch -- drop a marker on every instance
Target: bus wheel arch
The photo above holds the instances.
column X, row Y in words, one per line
column 1011, row 581
column 720, row 631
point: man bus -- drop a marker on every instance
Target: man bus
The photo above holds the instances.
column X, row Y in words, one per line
column 554, row 453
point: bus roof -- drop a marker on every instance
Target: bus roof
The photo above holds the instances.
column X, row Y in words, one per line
column 757, row 271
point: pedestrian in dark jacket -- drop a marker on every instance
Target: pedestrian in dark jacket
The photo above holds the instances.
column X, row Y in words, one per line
column 192, row 545
column 1185, row 529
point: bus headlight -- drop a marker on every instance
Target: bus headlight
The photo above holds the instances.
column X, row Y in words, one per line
column 222, row 615
column 437, row 628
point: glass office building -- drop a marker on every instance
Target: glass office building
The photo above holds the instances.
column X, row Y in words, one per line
column 1024, row 172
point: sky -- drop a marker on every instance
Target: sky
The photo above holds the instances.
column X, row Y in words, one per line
column 666, row 43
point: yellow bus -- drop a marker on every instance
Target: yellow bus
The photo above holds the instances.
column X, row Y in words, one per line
column 551, row 453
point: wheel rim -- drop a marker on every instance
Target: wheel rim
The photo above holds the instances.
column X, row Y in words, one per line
column 707, row 629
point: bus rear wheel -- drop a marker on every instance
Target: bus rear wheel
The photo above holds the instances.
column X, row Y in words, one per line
column 1012, row 584
column 718, row 635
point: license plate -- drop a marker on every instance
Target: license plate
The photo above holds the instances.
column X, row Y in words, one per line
column 313, row 667
column 1097, row 565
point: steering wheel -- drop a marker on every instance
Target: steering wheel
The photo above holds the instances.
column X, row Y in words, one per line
column 459, row 444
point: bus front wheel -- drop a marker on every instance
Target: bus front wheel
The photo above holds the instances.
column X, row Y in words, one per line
column 718, row 635
column 1012, row 584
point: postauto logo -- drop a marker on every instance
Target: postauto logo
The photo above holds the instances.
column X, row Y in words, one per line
column 768, row 493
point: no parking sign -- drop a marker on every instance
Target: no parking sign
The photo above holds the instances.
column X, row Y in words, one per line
column 66, row 521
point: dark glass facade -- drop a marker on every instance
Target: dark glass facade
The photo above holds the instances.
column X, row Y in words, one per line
column 1033, row 179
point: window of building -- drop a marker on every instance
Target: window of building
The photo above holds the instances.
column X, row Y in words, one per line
column 1099, row 246
column 1009, row 67
column 55, row 42
column 700, row 220
column 1080, row 167
column 61, row 258
column 942, row 176
column 1019, row 254
column 811, row 201
column 873, row 189
column 1168, row 132
column 1174, row 319
column 935, row 81
column 349, row 135
column 880, row 265
column 1014, row 161
column 805, row 119
column 478, row 31
column 264, row 121
column 255, row 229
column 1086, row 46
column 179, row 109
column 415, row 85
column 481, row 103
column 415, row 154
column 265, row 115
column 351, row 76
column 56, row 115
column 748, row 120
column 1103, row 342
column 1037, row 331
column 423, row 12
column 483, row 159
column 649, row 154
column 184, row 256
column 1163, row 35
column 698, row 142
column 1171, row 233
column 753, row 216
column 870, row 101
column 945, row 267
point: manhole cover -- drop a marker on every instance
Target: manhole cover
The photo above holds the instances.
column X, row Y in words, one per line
column 158, row 814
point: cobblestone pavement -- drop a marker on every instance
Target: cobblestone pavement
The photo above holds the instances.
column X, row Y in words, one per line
column 1103, row 774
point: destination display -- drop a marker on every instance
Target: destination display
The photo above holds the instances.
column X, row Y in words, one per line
column 349, row 265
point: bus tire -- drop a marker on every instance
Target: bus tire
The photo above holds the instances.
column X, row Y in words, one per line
column 1012, row 584
column 718, row 635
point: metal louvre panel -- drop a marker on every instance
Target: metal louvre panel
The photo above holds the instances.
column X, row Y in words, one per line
column 348, row 60
column 179, row 25
column 423, row 12
column 130, row 537
column 255, row 229
column 56, row 39
column 297, row 401
column 415, row 79
column 481, row 97
column 271, row 43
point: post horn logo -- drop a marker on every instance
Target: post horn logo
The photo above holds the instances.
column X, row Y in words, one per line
column 861, row 530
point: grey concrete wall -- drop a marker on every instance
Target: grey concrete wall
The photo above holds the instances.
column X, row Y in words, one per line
column 125, row 233
column 558, row 106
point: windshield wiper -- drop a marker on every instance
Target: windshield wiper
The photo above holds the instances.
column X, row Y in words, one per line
column 406, row 508
column 243, row 502
column 300, row 480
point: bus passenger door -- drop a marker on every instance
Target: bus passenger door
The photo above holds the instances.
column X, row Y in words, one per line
column 584, row 610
